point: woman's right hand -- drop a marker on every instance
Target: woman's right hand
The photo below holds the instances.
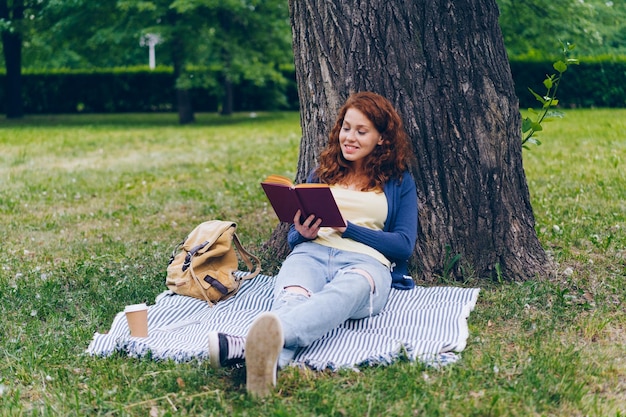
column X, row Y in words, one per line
column 309, row 228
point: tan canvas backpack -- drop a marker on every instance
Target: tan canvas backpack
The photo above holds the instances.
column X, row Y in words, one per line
column 204, row 264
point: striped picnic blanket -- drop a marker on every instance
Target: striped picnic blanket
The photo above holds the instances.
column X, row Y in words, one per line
column 427, row 324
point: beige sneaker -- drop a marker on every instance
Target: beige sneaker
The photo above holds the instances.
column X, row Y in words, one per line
column 263, row 345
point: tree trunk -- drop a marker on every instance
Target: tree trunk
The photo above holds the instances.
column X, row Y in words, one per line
column 227, row 102
column 183, row 100
column 185, row 109
column 444, row 66
column 12, row 48
column 178, row 53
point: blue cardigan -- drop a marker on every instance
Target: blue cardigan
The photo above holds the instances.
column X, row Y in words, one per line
column 397, row 240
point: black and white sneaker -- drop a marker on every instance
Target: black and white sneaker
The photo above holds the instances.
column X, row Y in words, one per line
column 226, row 350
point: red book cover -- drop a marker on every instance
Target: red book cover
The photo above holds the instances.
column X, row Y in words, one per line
column 316, row 199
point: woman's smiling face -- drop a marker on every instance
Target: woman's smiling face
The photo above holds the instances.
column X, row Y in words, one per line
column 358, row 136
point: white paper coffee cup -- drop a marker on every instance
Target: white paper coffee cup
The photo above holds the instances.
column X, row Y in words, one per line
column 137, row 317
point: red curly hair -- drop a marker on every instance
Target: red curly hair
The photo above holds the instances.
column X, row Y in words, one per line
column 387, row 161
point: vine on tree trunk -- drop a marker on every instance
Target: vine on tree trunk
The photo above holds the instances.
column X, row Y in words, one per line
column 532, row 124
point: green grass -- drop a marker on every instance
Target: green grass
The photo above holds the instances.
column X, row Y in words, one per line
column 91, row 206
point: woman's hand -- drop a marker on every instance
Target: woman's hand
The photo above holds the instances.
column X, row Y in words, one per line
column 309, row 227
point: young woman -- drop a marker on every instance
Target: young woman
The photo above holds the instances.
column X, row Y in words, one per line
column 341, row 273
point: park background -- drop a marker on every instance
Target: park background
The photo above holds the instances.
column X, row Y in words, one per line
column 93, row 199
column 210, row 56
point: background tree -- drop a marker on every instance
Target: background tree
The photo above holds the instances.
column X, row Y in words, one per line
column 248, row 39
column 532, row 28
column 251, row 42
column 11, row 22
column 444, row 65
column 83, row 34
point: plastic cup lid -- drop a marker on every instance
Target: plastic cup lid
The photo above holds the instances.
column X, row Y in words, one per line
column 135, row 307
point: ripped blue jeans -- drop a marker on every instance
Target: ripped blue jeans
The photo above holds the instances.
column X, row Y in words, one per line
column 336, row 290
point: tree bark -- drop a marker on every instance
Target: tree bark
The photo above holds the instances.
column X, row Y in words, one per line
column 227, row 101
column 185, row 109
column 12, row 49
column 178, row 53
column 444, row 66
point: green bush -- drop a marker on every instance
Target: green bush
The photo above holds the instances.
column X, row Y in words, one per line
column 97, row 91
column 141, row 90
column 593, row 83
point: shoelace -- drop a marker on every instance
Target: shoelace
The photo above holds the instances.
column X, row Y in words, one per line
column 236, row 347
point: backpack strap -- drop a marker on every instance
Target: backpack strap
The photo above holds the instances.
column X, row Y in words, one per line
column 248, row 258
column 195, row 277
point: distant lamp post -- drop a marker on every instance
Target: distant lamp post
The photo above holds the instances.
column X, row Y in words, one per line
column 150, row 40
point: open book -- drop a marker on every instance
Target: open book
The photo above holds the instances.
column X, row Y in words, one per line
column 309, row 198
